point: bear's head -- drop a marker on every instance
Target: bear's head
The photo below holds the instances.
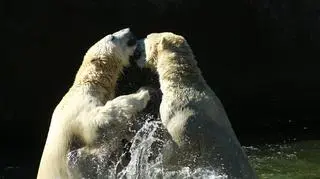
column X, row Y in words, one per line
column 104, row 60
column 127, row 43
column 157, row 45
column 119, row 45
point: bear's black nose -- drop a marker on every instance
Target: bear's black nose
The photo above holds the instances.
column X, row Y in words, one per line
column 132, row 41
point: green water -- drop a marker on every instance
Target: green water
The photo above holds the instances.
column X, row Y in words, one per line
column 300, row 160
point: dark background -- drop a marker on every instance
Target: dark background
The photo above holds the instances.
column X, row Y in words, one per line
column 260, row 57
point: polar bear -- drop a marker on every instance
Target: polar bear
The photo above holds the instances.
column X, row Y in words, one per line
column 88, row 110
column 190, row 111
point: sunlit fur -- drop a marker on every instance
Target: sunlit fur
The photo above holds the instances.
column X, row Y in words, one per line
column 83, row 110
column 190, row 110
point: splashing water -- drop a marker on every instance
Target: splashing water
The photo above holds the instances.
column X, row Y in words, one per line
column 284, row 161
column 147, row 153
column 151, row 141
column 148, row 149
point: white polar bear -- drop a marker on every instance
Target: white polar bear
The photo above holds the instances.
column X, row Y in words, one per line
column 190, row 111
column 87, row 112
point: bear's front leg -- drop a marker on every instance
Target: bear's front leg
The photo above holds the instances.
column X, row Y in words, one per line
column 113, row 117
column 118, row 111
column 125, row 106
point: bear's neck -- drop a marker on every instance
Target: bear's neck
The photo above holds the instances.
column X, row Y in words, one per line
column 100, row 73
column 177, row 71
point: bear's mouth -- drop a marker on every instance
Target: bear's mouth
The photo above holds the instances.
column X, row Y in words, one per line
column 132, row 41
column 136, row 54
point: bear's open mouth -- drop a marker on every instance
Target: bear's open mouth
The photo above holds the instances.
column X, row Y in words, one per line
column 136, row 54
column 132, row 41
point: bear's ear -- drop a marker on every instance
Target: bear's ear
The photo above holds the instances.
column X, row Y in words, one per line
column 171, row 42
column 164, row 43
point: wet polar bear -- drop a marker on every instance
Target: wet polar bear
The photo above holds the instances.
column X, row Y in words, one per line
column 87, row 112
column 190, row 111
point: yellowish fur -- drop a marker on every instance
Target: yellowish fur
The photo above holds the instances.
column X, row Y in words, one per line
column 190, row 110
column 84, row 109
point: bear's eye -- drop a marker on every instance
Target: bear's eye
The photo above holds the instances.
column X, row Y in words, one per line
column 112, row 38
